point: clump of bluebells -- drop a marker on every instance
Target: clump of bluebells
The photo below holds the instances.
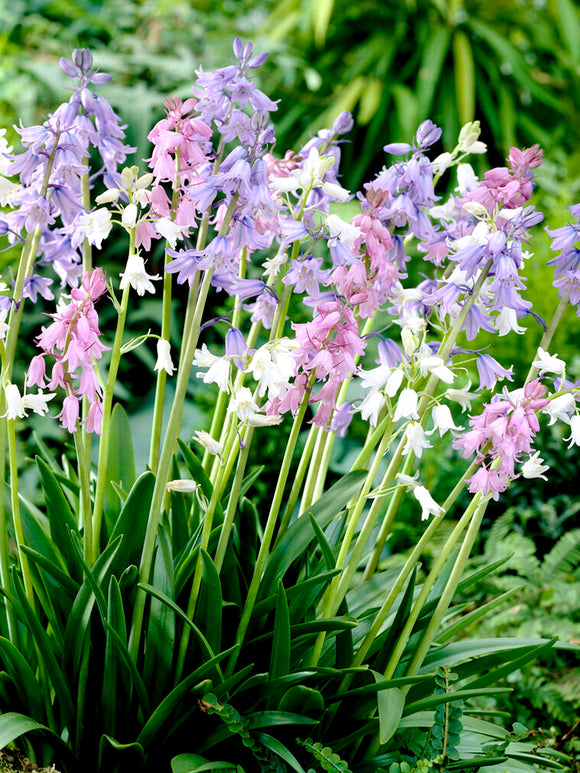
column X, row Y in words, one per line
column 305, row 286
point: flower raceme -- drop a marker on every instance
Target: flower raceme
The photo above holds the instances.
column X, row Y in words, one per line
column 73, row 340
column 501, row 435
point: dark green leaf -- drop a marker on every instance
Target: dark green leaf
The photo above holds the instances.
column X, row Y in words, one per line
column 208, row 614
column 278, row 748
column 120, row 460
column 281, row 640
column 300, row 534
column 62, row 521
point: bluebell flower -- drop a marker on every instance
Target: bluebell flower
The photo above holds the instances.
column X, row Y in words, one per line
column 490, row 372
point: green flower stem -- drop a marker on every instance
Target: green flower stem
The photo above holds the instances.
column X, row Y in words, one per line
column 160, row 385
column 296, row 484
column 16, row 520
column 161, row 376
column 87, row 249
column 102, row 463
column 84, row 473
column 5, row 558
column 233, row 499
column 410, row 563
column 430, row 633
column 27, row 258
column 363, row 459
column 217, row 492
column 549, row 333
column 339, row 585
column 387, row 523
column 270, row 527
column 196, row 304
column 313, row 469
column 434, row 574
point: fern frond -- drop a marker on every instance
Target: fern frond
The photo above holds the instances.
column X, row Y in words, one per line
column 564, row 558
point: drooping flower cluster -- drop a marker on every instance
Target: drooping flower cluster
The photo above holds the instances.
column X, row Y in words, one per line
column 567, row 263
column 501, row 436
column 73, row 340
column 326, row 351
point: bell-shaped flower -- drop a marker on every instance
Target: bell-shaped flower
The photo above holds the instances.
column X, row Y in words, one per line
column 548, row 363
column 574, row 431
column 211, row 445
column 164, row 361
column 442, row 420
column 415, row 440
column 243, row 403
column 428, row 505
column 407, row 405
column 534, row 467
column 136, row 276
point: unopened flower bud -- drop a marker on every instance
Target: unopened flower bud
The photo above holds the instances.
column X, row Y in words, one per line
column 409, row 340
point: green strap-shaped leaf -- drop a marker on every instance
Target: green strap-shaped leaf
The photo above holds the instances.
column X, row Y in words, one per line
column 62, row 521
column 130, row 755
column 464, row 77
column 278, row 748
column 130, row 667
column 132, row 522
column 429, row 75
column 512, row 665
column 300, row 596
column 281, row 640
column 18, row 668
column 194, row 763
column 300, row 534
column 159, row 651
column 117, row 623
column 208, row 614
column 65, row 581
column 13, row 725
column 45, row 652
column 327, row 553
column 169, row 709
column 91, row 591
column 390, row 704
column 403, row 607
column 120, row 460
column 458, row 695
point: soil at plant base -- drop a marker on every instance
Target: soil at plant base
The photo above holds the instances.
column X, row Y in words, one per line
column 13, row 761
